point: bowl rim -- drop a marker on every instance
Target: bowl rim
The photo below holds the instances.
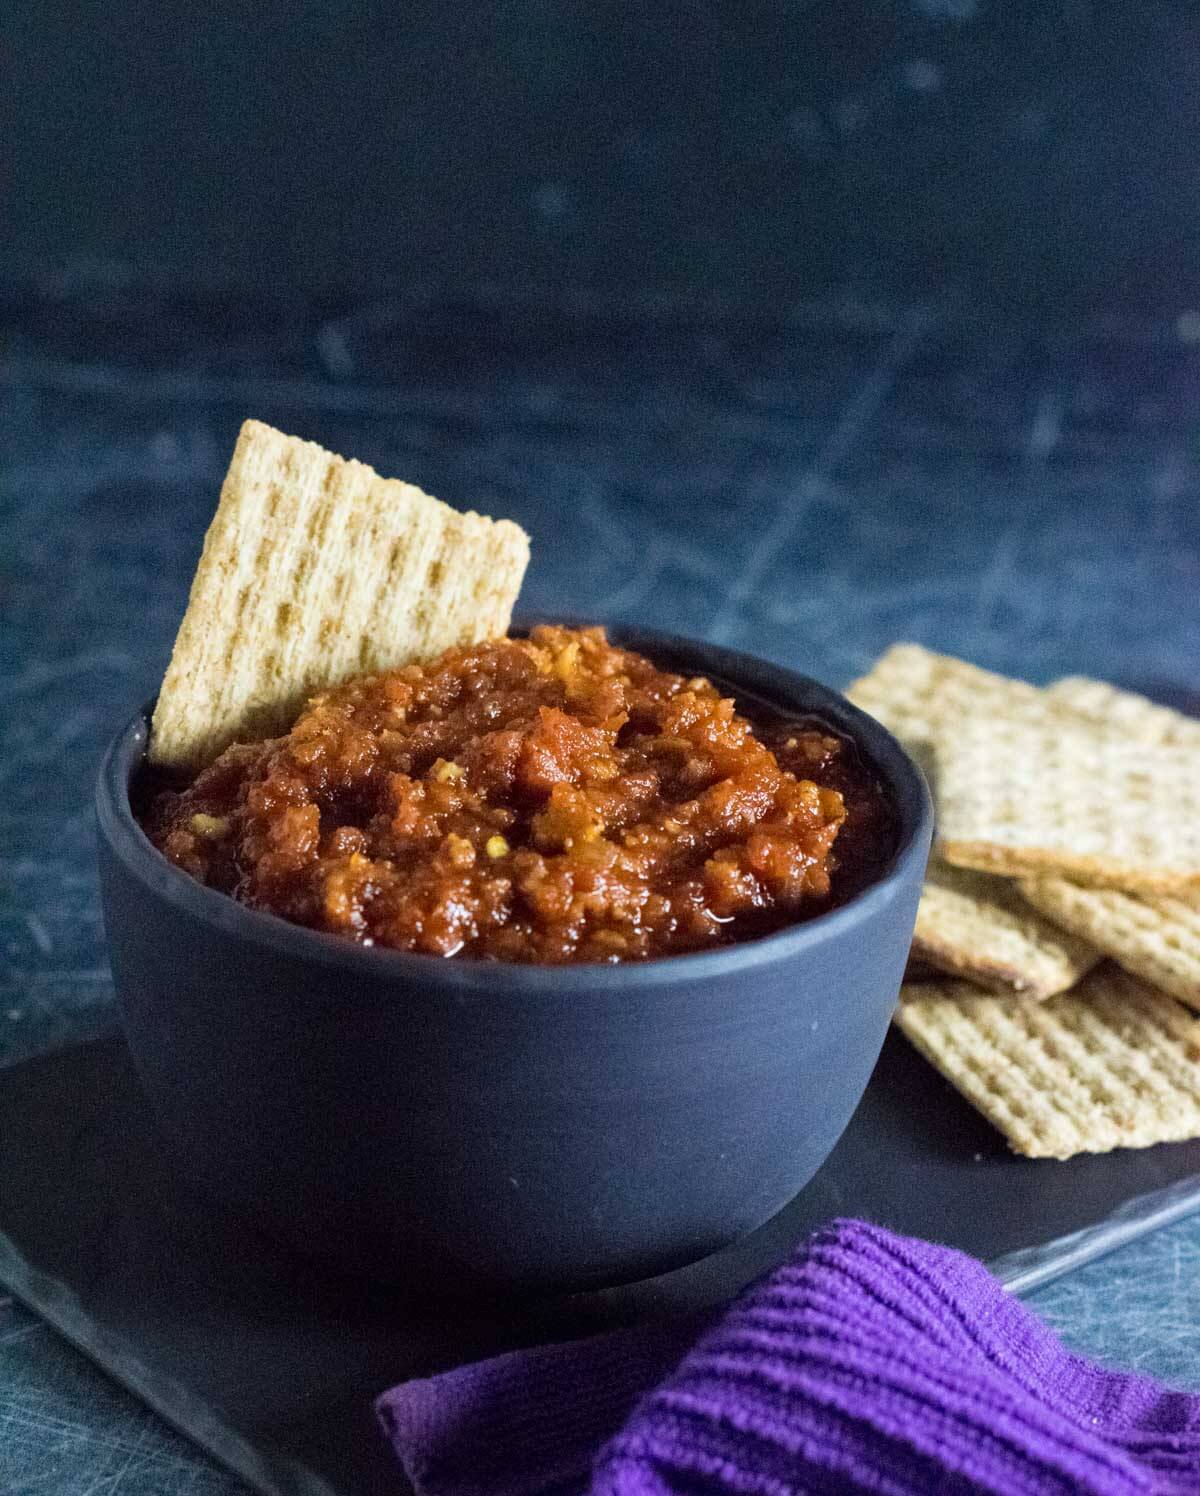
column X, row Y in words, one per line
column 776, row 683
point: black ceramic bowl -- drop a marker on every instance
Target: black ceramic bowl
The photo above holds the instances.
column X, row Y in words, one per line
column 455, row 1122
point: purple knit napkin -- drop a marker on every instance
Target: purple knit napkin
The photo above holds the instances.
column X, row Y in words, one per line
column 869, row 1363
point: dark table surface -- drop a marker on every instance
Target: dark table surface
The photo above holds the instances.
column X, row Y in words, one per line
column 811, row 491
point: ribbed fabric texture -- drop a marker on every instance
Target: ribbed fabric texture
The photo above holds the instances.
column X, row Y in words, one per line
column 528, row 1423
column 869, row 1363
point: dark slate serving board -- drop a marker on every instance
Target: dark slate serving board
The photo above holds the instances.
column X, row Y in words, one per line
column 273, row 1366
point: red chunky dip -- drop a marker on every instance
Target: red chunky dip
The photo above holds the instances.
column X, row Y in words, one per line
column 551, row 799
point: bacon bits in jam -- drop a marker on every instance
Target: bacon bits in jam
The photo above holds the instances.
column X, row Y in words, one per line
column 551, row 799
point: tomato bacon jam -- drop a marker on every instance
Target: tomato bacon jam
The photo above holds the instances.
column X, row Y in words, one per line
column 551, row 799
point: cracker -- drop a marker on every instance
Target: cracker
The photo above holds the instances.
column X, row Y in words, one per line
column 314, row 570
column 974, row 925
column 1157, row 939
column 969, row 924
column 1136, row 715
column 918, row 695
column 1028, row 797
column 922, row 697
column 1113, row 1064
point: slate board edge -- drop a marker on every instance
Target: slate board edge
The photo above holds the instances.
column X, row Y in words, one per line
column 1029, row 1268
column 272, row 1474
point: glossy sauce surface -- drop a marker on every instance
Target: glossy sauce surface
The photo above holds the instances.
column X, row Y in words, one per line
column 551, row 799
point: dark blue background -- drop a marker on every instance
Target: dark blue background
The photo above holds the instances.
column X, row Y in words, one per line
column 1032, row 154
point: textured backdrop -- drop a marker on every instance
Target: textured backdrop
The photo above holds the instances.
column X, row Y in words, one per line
column 1026, row 153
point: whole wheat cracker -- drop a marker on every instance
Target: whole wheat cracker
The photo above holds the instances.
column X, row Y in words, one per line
column 1157, row 939
column 978, row 926
column 969, row 924
column 1024, row 797
column 1111, row 1064
column 315, row 569
column 925, row 698
column 1136, row 715
column 918, row 695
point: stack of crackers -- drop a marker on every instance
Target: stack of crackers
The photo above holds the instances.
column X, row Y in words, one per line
column 1058, row 937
